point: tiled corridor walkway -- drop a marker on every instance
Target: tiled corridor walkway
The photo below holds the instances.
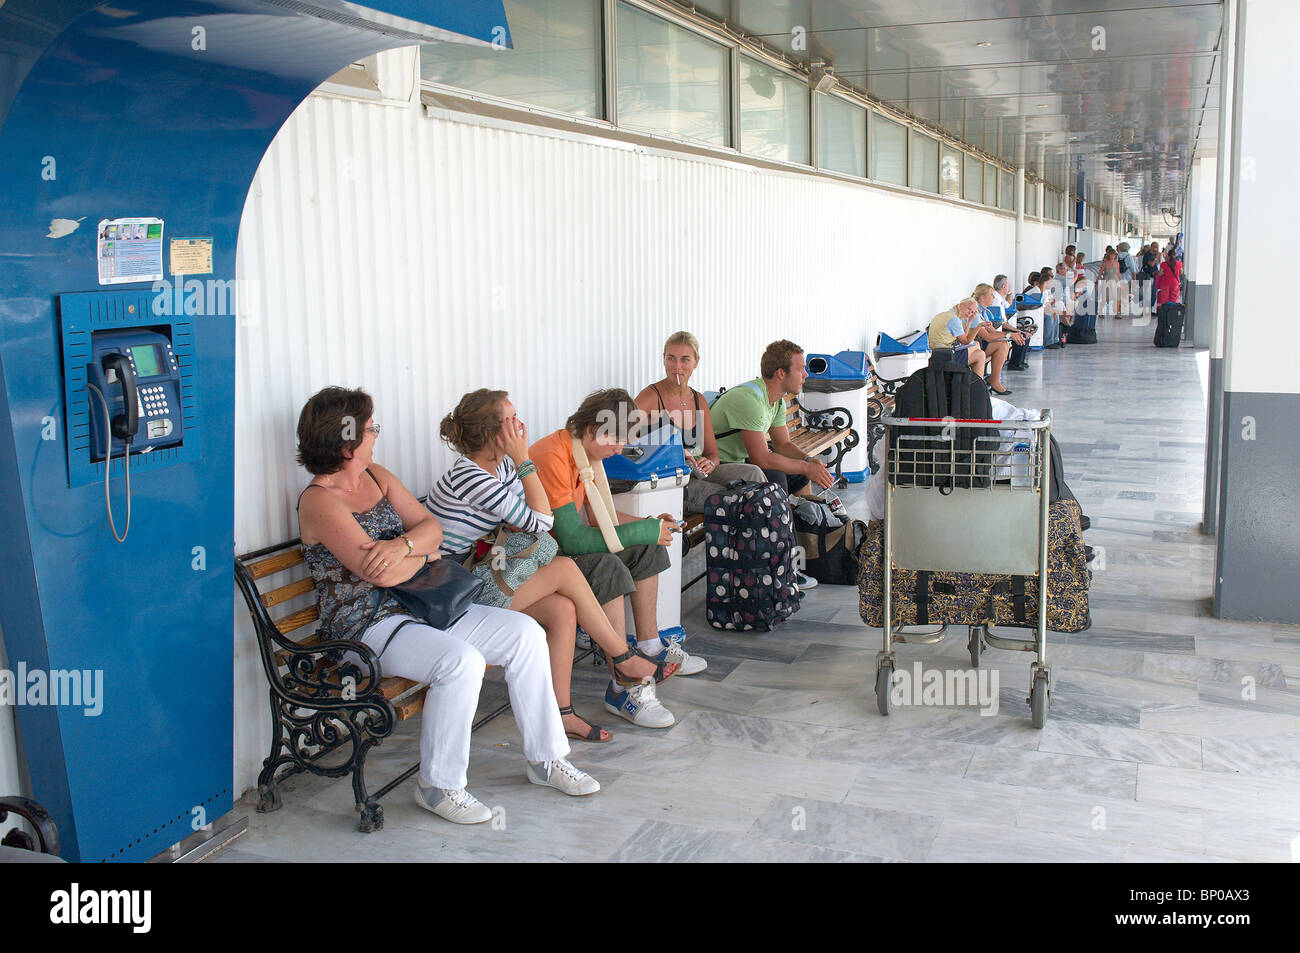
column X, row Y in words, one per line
column 1172, row 736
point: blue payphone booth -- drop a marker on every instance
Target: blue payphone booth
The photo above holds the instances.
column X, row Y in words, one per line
column 129, row 134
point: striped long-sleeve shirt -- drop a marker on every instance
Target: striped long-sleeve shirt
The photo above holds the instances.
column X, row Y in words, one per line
column 470, row 503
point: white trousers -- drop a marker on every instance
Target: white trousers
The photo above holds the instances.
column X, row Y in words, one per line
column 452, row 661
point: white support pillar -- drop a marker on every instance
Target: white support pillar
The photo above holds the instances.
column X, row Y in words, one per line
column 1198, row 251
column 1020, row 222
column 1259, row 510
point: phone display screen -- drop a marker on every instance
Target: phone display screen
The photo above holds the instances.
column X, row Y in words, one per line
column 146, row 360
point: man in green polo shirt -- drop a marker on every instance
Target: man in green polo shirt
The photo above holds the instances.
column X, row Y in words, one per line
column 748, row 416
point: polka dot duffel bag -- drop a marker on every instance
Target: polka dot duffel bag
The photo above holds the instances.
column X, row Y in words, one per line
column 749, row 547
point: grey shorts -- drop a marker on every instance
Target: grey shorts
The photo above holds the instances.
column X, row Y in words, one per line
column 616, row 574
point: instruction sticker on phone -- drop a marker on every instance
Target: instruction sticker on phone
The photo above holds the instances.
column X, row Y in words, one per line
column 129, row 249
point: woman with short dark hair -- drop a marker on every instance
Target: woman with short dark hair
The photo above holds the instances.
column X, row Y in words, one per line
column 363, row 531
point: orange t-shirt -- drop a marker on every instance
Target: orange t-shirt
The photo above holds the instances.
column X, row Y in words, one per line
column 553, row 456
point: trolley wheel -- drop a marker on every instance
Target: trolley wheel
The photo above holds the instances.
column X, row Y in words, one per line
column 975, row 643
column 884, row 680
column 1039, row 700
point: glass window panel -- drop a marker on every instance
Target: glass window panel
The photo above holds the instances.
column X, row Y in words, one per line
column 671, row 81
column 888, row 150
column 924, row 162
column 1031, row 199
column 1006, row 190
column 973, row 182
column 990, row 184
column 950, row 172
column 841, row 136
column 773, row 113
column 555, row 63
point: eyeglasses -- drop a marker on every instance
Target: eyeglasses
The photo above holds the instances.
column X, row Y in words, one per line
column 374, row 429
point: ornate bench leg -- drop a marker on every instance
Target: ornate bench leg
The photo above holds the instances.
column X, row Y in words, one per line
column 372, row 814
column 268, row 796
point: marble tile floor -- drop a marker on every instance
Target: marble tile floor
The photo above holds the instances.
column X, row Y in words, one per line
column 1173, row 736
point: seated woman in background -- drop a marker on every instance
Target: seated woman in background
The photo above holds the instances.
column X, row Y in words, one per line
column 493, row 484
column 362, row 530
column 1039, row 284
column 673, row 400
column 995, row 341
column 948, row 330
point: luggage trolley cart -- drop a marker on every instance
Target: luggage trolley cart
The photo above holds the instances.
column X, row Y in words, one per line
column 1003, row 526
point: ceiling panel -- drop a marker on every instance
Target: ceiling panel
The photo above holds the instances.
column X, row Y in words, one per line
column 1123, row 90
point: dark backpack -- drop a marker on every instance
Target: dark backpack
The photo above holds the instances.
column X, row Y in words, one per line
column 921, row 452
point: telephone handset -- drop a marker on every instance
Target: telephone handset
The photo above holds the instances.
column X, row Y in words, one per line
column 124, row 426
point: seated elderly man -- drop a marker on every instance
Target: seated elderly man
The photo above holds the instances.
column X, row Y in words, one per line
column 957, row 329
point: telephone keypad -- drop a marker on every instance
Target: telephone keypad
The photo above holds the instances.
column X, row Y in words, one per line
column 154, row 401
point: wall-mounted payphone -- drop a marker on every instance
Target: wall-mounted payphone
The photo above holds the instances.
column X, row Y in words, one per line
column 136, row 371
column 129, row 388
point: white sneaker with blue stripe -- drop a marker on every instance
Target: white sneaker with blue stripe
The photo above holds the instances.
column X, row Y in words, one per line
column 687, row 664
column 638, row 704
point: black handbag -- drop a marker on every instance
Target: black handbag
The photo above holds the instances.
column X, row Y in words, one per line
column 439, row 594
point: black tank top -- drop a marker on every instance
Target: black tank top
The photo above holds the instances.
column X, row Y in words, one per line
column 692, row 439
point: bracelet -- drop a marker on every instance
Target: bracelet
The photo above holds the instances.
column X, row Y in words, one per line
column 426, row 560
column 527, row 468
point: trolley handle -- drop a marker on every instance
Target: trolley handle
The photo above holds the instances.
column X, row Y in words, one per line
column 1043, row 423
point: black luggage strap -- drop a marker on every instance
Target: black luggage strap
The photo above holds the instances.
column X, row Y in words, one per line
column 1016, row 586
column 923, row 597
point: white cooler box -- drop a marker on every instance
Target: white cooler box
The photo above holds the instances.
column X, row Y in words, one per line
column 649, row 498
column 840, row 381
column 892, row 367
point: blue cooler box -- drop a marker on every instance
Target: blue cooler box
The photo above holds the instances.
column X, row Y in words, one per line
column 840, row 380
column 657, row 456
column 914, row 342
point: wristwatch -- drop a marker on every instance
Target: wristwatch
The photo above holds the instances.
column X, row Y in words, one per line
column 410, row 546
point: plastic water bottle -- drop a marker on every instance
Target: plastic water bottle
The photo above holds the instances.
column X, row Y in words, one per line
column 1021, row 475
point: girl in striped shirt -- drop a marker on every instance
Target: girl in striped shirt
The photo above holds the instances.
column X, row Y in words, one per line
column 493, row 484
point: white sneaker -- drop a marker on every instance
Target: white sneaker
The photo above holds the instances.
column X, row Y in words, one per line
column 687, row 664
column 459, row 807
column 563, row 776
column 638, row 704
column 804, row 581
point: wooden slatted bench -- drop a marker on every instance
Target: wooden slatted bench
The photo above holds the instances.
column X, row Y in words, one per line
column 880, row 403
column 815, row 432
column 321, row 704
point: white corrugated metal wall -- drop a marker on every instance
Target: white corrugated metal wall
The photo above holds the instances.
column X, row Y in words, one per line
column 420, row 258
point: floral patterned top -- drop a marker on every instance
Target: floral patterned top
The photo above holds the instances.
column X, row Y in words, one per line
column 343, row 598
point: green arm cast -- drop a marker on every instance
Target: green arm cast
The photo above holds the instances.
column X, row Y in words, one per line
column 577, row 539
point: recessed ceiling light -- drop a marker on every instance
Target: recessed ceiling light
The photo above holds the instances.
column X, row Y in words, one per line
column 1042, row 105
column 984, row 43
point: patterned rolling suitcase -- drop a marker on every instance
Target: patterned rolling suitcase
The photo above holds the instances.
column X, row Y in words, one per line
column 749, row 548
